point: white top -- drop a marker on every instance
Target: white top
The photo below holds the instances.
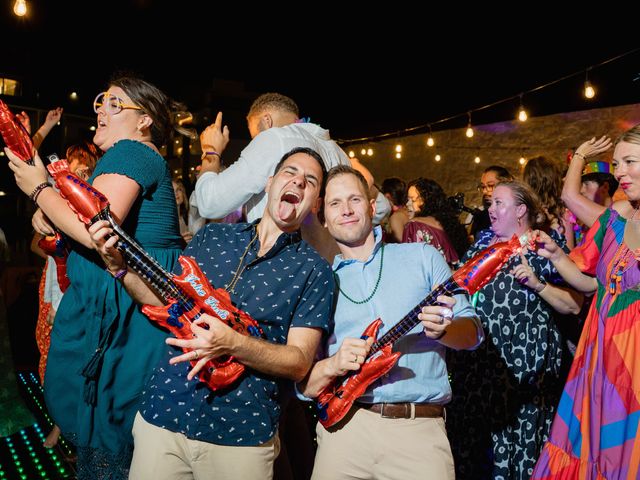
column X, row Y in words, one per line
column 218, row 194
column 52, row 292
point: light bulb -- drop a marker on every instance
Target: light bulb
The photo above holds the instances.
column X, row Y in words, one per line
column 363, row 152
column 589, row 91
column 398, row 148
column 477, row 159
column 430, row 142
column 370, row 152
column 398, row 155
column 20, row 8
column 438, row 158
column 352, row 154
column 469, row 132
column 522, row 115
column 522, row 160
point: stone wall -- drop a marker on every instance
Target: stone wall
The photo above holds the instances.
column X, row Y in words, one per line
column 496, row 144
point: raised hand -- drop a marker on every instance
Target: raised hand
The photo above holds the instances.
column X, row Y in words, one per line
column 214, row 138
column 53, row 117
column 593, row 147
column 25, row 121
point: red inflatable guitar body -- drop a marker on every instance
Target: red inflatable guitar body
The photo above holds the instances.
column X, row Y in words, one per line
column 203, row 298
column 15, row 135
column 336, row 399
column 20, row 143
column 188, row 295
column 56, row 247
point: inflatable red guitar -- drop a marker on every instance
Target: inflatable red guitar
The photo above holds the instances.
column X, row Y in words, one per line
column 15, row 135
column 19, row 142
column 336, row 399
column 187, row 295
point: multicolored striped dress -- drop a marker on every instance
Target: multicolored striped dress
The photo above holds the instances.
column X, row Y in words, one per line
column 595, row 432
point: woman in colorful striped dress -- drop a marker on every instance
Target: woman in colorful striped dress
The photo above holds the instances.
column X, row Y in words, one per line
column 595, row 433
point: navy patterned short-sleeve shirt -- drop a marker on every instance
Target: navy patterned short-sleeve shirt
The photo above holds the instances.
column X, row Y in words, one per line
column 290, row 286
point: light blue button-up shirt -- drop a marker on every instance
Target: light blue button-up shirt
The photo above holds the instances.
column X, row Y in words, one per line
column 410, row 272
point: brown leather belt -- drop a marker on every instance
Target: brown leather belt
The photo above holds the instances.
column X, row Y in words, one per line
column 404, row 410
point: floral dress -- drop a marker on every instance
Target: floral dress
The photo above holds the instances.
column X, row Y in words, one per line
column 419, row 232
column 505, row 392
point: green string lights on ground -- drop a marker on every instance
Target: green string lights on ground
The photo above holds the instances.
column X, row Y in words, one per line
column 22, row 455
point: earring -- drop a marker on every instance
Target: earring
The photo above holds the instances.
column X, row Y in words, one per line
column 519, row 221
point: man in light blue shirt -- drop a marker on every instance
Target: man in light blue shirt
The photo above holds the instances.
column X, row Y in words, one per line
column 396, row 429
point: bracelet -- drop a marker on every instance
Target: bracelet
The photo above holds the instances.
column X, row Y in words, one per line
column 580, row 155
column 119, row 274
column 211, row 152
column 36, row 191
column 539, row 290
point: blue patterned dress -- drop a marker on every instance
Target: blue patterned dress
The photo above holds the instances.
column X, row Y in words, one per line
column 505, row 393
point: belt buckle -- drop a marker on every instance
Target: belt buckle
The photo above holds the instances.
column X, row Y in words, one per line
column 409, row 411
column 382, row 415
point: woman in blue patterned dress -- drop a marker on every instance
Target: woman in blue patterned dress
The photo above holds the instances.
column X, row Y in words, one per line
column 103, row 349
column 505, row 393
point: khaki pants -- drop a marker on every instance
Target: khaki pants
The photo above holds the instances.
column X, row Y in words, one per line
column 368, row 446
column 160, row 454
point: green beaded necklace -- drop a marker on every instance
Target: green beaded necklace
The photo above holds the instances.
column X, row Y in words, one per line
column 375, row 289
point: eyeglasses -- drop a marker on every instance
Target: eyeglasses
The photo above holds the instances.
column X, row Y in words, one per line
column 112, row 104
column 489, row 187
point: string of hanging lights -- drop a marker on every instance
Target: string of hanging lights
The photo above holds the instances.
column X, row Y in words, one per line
column 589, row 92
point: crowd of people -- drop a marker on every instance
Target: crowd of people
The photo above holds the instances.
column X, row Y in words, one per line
column 299, row 237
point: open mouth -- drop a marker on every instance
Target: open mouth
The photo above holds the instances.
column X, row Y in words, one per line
column 290, row 197
column 287, row 208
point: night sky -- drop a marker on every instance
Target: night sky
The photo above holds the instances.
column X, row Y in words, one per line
column 357, row 76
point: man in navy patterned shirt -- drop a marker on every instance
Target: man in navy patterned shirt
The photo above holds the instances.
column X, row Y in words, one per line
column 183, row 429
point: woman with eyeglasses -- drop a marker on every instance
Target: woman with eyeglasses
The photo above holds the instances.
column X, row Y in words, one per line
column 103, row 349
